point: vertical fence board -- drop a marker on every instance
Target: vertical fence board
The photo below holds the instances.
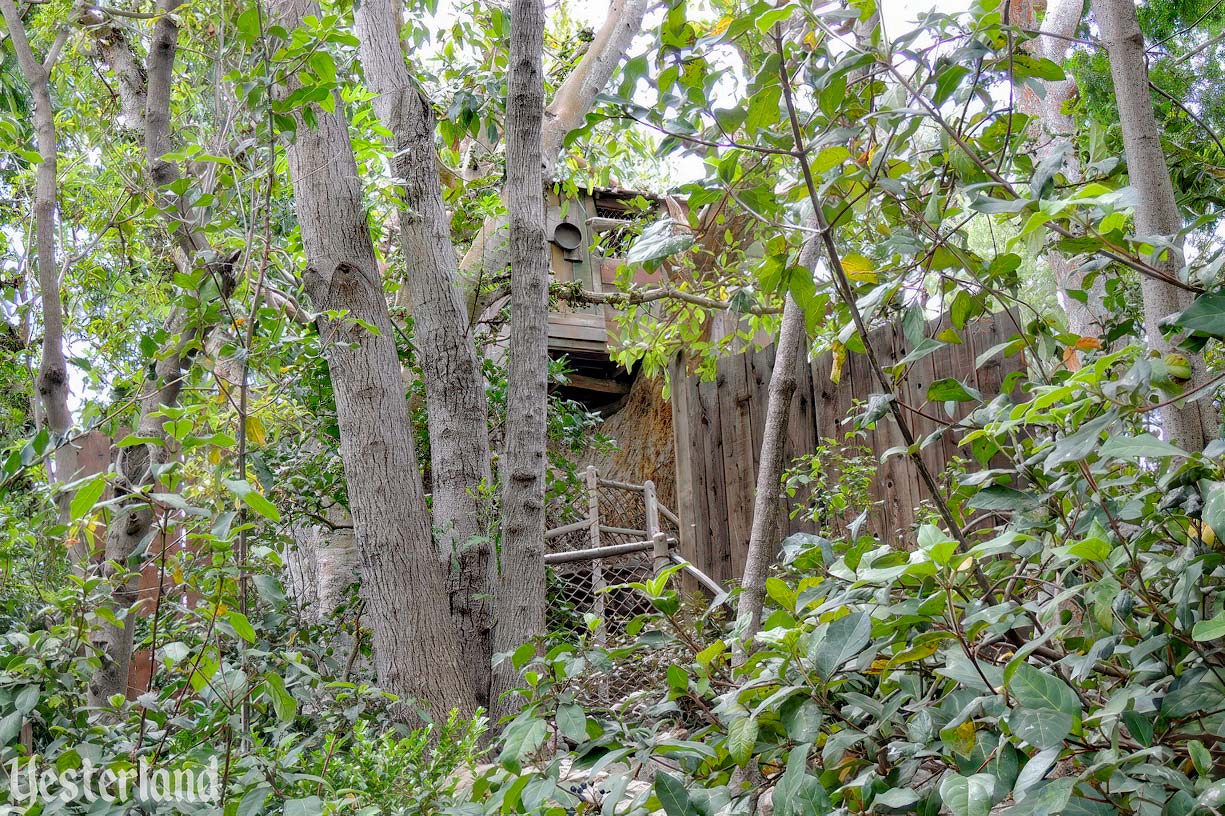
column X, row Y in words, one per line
column 719, row 427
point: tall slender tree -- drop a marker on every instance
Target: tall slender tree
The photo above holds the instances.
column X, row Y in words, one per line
column 416, row 654
column 52, row 381
column 454, row 385
column 1194, row 422
column 520, row 588
column 132, row 525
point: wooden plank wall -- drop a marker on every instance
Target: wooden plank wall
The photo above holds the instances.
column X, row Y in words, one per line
column 718, row 428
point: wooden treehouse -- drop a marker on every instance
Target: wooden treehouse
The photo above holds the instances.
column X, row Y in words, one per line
column 588, row 237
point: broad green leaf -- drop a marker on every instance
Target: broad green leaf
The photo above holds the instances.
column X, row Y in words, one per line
column 951, row 389
column 86, row 497
column 1001, row 498
column 1206, row 314
column 1133, row 447
column 1042, row 728
column 1209, row 629
column 741, row 738
column 967, row 795
column 837, row 642
column 309, row 806
column 572, row 721
column 673, row 797
column 524, row 735
column 798, row 792
column 242, row 627
column 658, row 241
column 1034, row 688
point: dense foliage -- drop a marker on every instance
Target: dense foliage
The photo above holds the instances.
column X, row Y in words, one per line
column 1049, row 641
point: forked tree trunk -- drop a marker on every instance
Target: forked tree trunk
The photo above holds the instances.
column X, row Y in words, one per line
column 454, row 385
column 1056, row 132
column 131, row 527
column 519, row 593
column 1192, row 424
column 52, row 381
column 489, row 253
column 416, row 654
column 763, row 543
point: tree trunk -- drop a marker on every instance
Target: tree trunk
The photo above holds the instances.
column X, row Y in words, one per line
column 131, row 527
column 415, row 650
column 1056, row 130
column 763, row 532
column 1192, row 424
column 52, row 380
column 454, row 385
column 489, row 254
column 519, row 594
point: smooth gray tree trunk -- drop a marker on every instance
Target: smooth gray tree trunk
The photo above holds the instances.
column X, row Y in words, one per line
column 489, row 254
column 1056, row 132
column 51, row 383
column 132, row 526
column 416, row 654
column 454, row 385
column 763, row 534
column 1193, row 423
column 519, row 596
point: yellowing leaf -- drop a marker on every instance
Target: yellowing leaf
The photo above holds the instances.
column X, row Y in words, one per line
column 830, row 158
column 255, row 430
column 859, row 268
column 835, row 371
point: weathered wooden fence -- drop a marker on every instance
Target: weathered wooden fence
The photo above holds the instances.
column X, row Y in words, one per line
column 718, row 430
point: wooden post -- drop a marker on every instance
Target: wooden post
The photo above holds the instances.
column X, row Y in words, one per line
column 659, row 552
column 597, row 566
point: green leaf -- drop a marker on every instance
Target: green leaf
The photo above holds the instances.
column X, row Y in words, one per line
column 10, row 727
column 1209, row 629
column 86, row 497
column 997, row 498
column 1213, row 513
column 253, row 498
column 572, row 722
column 1041, row 728
column 1133, row 447
column 1206, row 314
column 309, row 806
column 839, row 641
column 673, row 797
column 799, row 793
column 741, row 738
column 524, row 735
column 950, row 389
column 242, row 627
column 967, row 795
column 252, row 801
column 1034, row 688
column 283, row 703
column 829, row 158
column 658, row 241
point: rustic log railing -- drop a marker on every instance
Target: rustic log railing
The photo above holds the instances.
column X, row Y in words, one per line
column 650, row 538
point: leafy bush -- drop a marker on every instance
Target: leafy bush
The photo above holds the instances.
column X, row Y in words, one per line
column 1069, row 661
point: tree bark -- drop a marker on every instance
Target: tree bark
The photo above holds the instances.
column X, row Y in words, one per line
column 52, row 380
column 1056, row 130
column 1193, row 423
column 519, row 593
column 131, row 527
column 763, row 532
column 416, row 655
column 489, row 253
column 454, row 385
